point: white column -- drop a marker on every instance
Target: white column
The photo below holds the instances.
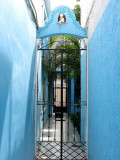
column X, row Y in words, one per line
column 87, row 100
column 38, row 44
column 35, row 88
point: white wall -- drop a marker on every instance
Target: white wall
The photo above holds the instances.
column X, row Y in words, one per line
column 91, row 13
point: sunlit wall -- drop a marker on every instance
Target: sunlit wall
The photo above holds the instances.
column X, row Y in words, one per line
column 17, row 67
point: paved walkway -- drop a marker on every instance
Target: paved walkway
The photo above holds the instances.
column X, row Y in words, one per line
column 55, row 130
column 50, row 142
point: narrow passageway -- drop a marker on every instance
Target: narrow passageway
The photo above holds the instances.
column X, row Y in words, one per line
column 60, row 134
column 49, row 146
column 60, row 80
column 54, row 132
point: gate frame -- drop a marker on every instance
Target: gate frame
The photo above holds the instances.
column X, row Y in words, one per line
column 83, row 103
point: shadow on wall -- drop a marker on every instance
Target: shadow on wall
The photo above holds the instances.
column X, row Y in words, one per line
column 28, row 142
column 30, row 112
column 5, row 85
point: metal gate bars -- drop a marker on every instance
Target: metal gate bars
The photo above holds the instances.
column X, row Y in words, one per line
column 60, row 136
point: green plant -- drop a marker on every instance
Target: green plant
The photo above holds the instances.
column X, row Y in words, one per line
column 77, row 12
column 75, row 120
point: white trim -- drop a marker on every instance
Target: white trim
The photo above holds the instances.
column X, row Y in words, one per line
column 96, row 14
column 83, row 45
column 91, row 13
column 35, row 88
column 87, row 100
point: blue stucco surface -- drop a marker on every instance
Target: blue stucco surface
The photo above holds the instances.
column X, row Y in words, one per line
column 43, row 73
column 51, row 95
column 17, row 67
column 104, row 86
column 72, row 96
column 83, row 97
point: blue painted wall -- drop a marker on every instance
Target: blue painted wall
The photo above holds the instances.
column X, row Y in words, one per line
column 69, row 95
column 72, row 96
column 42, row 73
column 17, row 67
column 51, row 95
column 104, row 86
column 46, row 97
column 83, row 97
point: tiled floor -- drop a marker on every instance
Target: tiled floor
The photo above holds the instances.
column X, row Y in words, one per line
column 50, row 142
column 55, row 130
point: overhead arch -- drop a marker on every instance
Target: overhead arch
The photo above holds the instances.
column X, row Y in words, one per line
column 66, row 26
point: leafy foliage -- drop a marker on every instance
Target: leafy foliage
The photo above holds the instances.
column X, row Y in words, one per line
column 71, row 58
column 75, row 120
column 77, row 12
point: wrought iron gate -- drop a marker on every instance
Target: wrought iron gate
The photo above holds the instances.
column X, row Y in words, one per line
column 61, row 132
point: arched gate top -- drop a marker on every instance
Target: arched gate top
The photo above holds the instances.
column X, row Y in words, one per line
column 62, row 21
